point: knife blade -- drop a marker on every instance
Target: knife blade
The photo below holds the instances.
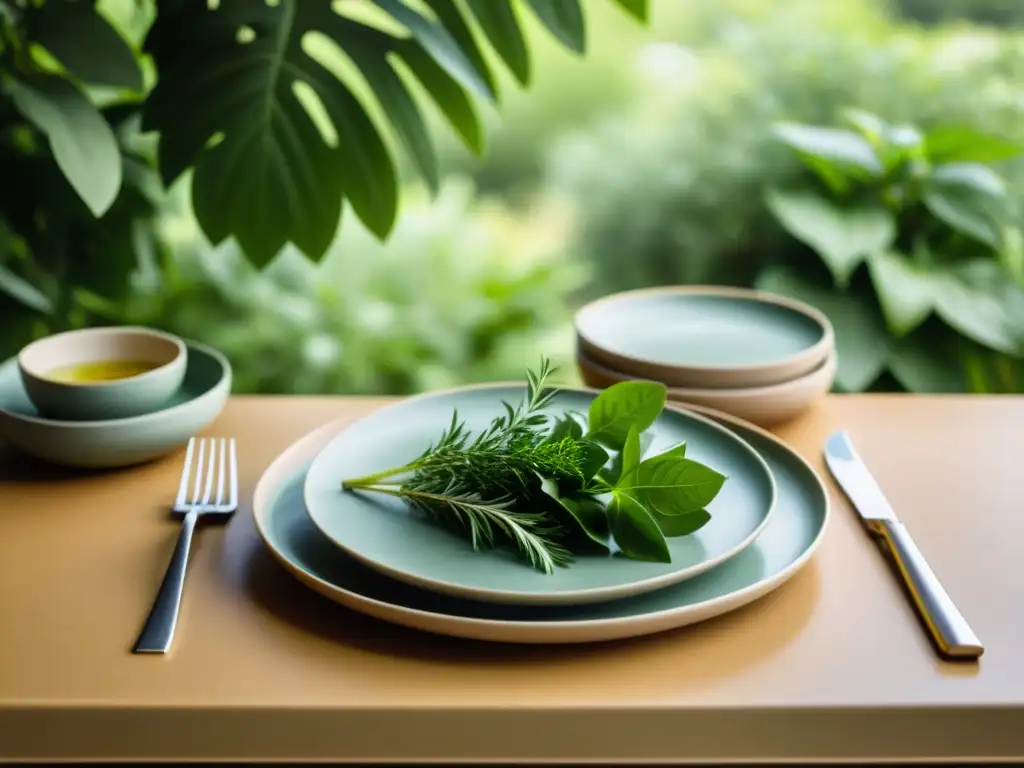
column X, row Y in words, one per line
column 949, row 630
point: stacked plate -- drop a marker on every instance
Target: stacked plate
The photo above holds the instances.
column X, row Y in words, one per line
column 762, row 357
column 373, row 553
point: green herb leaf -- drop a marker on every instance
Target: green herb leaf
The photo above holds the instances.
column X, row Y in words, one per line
column 630, row 455
column 566, row 426
column 588, row 513
column 613, row 472
column 674, row 486
column 624, row 405
column 676, row 452
column 594, row 457
column 674, row 526
column 635, row 531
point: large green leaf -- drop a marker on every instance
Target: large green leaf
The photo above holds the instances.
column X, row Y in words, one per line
column 979, row 299
column 272, row 177
column 905, row 291
column 450, row 16
column 842, row 237
column 565, row 20
column 837, row 146
column 953, row 144
column 369, row 50
column 498, row 20
column 82, row 142
column 438, row 42
column 970, row 198
column 861, row 340
column 90, row 49
column 639, row 9
column 446, row 92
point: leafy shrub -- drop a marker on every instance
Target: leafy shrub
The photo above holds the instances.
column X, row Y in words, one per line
column 916, row 231
column 460, row 292
column 673, row 191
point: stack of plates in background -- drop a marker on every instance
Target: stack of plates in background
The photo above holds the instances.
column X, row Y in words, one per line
column 755, row 355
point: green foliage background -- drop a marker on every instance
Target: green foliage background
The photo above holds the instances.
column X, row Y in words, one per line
column 643, row 163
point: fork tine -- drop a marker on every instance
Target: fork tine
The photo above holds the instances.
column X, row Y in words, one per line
column 222, row 470
column 211, row 471
column 199, row 473
column 233, row 500
column 185, row 474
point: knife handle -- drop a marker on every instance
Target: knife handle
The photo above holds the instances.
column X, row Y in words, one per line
column 949, row 629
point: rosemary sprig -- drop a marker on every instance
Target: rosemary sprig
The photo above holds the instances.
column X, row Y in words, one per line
column 530, row 486
column 476, row 484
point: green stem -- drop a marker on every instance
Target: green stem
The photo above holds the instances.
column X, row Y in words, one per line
column 376, row 477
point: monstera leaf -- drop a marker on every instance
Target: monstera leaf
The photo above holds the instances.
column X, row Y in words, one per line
column 278, row 141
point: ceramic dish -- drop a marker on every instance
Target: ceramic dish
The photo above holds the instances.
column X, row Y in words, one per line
column 117, row 442
column 121, row 398
column 764, row 406
column 704, row 337
column 783, row 548
column 384, row 534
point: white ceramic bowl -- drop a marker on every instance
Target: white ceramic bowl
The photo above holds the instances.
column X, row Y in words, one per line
column 101, row 400
column 764, row 406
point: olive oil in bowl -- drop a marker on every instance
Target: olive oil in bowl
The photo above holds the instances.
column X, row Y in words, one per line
column 99, row 371
column 99, row 374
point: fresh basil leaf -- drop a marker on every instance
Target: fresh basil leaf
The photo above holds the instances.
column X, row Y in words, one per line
column 635, row 531
column 673, row 526
column 674, row 486
column 594, row 457
column 564, row 427
column 624, row 405
column 630, row 455
column 588, row 513
column 676, row 452
column 612, row 474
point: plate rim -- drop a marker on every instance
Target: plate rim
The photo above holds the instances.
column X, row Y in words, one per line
column 224, row 380
column 574, row 596
column 534, row 632
column 804, row 358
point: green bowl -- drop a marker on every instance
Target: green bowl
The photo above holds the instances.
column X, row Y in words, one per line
column 95, row 400
column 109, row 443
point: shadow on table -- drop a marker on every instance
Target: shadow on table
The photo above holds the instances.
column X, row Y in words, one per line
column 283, row 596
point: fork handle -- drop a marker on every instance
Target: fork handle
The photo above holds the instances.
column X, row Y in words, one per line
column 158, row 633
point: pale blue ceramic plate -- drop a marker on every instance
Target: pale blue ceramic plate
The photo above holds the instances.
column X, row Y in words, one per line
column 384, row 534
column 113, row 443
column 783, row 547
column 705, row 336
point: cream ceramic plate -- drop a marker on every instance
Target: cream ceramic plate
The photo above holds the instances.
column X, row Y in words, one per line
column 385, row 534
column 764, row 406
column 705, row 336
column 783, row 548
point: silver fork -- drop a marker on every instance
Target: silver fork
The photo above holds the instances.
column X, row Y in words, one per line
column 158, row 633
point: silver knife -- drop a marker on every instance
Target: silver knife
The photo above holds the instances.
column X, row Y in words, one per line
column 952, row 634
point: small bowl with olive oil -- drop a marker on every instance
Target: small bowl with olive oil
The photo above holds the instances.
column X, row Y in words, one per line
column 102, row 373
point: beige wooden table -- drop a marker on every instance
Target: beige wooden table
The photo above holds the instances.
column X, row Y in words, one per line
column 833, row 666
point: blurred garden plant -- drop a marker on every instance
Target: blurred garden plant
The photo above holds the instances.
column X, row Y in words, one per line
column 280, row 113
column 461, row 291
column 921, row 244
column 673, row 191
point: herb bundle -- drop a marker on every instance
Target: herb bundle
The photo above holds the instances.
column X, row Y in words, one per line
column 551, row 488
